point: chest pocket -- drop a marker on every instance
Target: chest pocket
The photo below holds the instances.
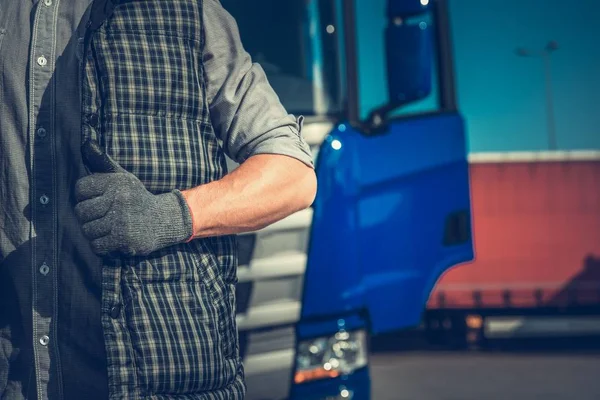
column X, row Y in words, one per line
column 153, row 113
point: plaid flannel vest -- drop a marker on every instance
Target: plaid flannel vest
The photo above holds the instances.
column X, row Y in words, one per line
column 168, row 318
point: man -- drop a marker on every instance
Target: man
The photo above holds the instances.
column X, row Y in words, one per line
column 117, row 254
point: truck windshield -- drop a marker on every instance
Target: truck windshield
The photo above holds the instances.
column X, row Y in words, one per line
column 296, row 42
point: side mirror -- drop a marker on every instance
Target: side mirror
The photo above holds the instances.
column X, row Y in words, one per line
column 409, row 55
column 409, row 62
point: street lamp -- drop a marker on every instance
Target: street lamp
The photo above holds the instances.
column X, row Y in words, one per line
column 544, row 54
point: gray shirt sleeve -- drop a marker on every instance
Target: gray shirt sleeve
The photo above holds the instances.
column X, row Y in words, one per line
column 245, row 111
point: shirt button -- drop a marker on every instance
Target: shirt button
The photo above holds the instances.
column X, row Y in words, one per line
column 44, row 340
column 42, row 60
column 44, row 269
column 48, row 3
column 41, row 132
column 44, row 199
column 92, row 119
column 115, row 311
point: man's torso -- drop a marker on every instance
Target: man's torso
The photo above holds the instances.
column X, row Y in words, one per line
column 169, row 320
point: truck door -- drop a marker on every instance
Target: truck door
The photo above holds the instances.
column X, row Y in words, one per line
column 392, row 212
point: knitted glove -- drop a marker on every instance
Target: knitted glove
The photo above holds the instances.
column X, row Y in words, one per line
column 118, row 214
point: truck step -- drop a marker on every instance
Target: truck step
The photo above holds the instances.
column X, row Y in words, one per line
column 268, row 315
column 281, row 266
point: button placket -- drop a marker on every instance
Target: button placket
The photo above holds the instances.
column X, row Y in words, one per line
column 44, row 46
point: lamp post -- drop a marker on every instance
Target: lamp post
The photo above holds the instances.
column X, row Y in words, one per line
column 544, row 54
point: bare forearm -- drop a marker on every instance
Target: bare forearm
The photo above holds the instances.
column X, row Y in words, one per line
column 263, row 190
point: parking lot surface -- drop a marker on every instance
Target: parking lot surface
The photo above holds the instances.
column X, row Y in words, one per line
column 486, row 375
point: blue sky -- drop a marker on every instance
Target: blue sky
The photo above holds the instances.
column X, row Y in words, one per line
column 501, row 95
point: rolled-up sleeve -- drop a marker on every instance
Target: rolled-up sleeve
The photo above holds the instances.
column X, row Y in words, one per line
column 245, row 111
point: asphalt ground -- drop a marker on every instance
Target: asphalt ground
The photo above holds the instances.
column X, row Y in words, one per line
column 554, row 372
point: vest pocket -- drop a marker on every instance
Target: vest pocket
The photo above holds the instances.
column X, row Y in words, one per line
column 175, row 336
column 222, row 295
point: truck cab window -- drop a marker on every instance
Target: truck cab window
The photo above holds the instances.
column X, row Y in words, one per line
column 295, row 41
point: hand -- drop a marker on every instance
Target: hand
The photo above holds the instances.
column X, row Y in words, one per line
column 118, row 214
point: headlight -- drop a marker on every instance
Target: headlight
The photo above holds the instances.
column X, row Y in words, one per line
column 330, row 357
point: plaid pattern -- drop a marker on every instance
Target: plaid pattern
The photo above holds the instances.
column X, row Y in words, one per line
column 144, row 99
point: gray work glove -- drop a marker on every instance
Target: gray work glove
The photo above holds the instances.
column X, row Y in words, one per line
column 119, row 215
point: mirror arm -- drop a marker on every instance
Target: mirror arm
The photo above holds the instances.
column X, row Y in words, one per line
column 377, row 121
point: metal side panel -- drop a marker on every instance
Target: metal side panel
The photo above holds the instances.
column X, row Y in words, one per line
column 269, row 299
column 265, row 376
column 275, row 274
column 271, row 276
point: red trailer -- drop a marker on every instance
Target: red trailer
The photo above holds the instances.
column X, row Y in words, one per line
column 536, row 222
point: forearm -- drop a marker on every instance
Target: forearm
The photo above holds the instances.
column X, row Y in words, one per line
column 274, row 179
column 261, row 191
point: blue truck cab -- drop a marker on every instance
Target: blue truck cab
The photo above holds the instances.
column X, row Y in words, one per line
column 392, row 212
